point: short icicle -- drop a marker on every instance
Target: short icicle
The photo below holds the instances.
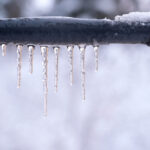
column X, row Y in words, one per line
column 82, row 63
column 56, row 52
column 70, row 53
column 44, row 52
column 31, row 52
column 19, row 62
column 96, row 48
column 4, row 46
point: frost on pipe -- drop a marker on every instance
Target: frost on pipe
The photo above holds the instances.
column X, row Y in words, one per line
column 73, row 31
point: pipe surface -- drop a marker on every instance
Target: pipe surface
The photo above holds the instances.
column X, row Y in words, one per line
column 72, row 31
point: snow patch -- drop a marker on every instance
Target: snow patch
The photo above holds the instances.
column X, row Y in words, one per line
column 134, row 16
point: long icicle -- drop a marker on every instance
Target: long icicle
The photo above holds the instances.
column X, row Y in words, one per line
column 70, row 53
column 4, row 46
column 31, row 52
column 82, row 63
column 44, row 52
column 96, row 48
column 56, row 52
column 19, row 62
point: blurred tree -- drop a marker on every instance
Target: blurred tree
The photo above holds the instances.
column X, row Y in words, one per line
column 72, row 8
column 94, row 8
column 14, row 8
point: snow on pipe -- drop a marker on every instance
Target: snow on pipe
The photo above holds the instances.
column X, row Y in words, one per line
column 73, row 31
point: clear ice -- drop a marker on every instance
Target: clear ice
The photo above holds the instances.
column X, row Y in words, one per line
column 31, row 52
column 44, row 52
column 96, row 48
column 70, row 53
column 19, row 61
column 56, row 52
column 4, row 46
column 82, row 63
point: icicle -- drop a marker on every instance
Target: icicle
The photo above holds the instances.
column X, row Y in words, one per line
column 19, row 61
column 96, row 57
column 56, row 51
column 4, row 46
column 70, row 53
column 31, row 52
column 44, row 52
column 82, row 62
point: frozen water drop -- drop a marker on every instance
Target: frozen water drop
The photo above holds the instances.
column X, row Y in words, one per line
column 4, row 46
column 70, row 53
column 44, row 52
column 82, row 63
column 31, row 52
column 19, row 62
column 96, row 57
column 56, row 52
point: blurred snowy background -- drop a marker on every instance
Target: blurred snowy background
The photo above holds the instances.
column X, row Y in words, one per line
column 116, row 114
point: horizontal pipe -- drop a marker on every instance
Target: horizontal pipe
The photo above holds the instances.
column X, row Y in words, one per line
column 72, row 31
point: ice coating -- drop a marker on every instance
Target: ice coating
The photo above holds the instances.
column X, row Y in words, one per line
column 44, row 52
column 19, row 62
column 96, row 57
column 56, row 52
column 4, row 46
column 70, row 53
column 82, row 63
column 31, row 51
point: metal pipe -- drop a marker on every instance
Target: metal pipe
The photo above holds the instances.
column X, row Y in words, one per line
column 72, row 31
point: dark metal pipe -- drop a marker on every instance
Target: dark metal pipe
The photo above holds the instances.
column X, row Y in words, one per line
column 66, row 31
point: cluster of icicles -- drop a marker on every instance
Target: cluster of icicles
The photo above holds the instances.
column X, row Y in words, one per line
column 44, row 53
